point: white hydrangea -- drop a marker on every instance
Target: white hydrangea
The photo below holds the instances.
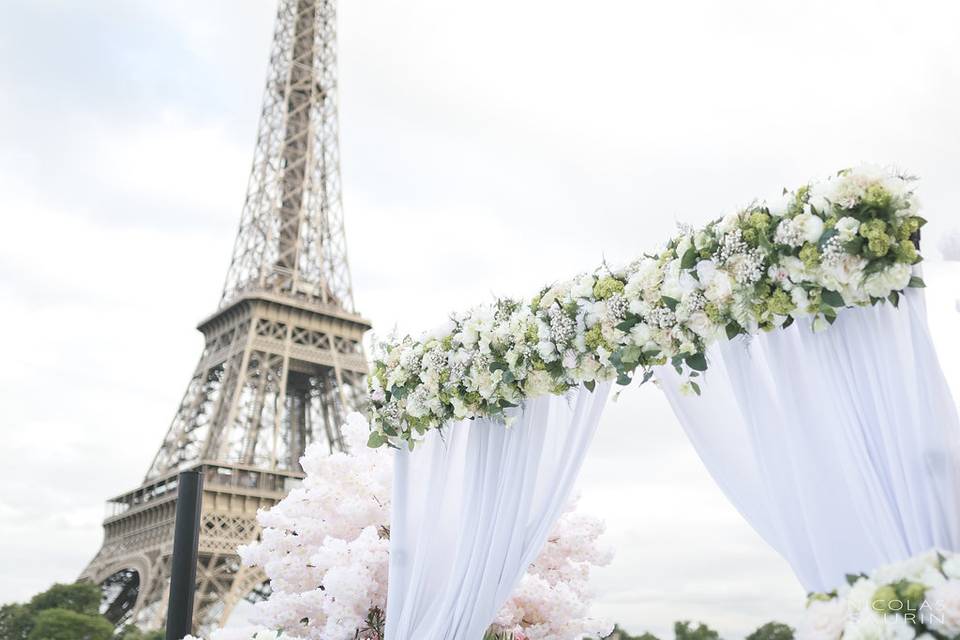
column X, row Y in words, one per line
column 943, row 612
column 868, row 625
column 951, row 567
column 823, row 620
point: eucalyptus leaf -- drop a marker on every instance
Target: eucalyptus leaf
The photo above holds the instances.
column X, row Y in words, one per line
column 733, row 330
column 697, row 362
column 832, row 298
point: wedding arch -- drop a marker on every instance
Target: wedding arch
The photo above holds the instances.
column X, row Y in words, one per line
column 791, row 340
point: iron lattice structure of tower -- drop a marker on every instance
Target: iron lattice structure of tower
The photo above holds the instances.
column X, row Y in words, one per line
column 283, row 359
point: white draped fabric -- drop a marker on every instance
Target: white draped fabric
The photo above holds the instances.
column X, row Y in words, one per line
column 472, row 507
column 841, row 448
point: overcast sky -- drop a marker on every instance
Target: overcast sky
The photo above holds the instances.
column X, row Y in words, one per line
column 487, row 148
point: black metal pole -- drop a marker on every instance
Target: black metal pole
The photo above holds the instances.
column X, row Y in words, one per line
column 183, row 565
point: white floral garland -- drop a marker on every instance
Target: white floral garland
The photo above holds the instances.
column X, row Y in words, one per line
column 845, row 241
column 919, row 597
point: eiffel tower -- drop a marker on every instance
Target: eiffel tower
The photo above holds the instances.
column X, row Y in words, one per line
column 283, row 359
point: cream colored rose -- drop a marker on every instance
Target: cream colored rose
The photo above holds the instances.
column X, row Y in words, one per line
column 720, row 287
column 847, row 228
column 823, row 620
column 810, row 226
column 879, row 285
column 943, row 614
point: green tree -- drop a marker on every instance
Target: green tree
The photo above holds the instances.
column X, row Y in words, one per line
column 79, row 597
column 620, row 634
column 131, row 632
column 772, row 631
column 16, row 620
column 64, row 624
column 62, row 612
column 683, row 631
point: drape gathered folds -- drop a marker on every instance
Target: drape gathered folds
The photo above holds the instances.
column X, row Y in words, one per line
column 472, row 507
column 841, row 448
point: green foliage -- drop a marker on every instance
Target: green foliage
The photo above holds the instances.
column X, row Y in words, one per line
column 64, row 612
column 683, row 631
column 64, row 624
column 620, row 634
column 131, row 632
column 80, row 597
column 16, row 620
column 772, row 631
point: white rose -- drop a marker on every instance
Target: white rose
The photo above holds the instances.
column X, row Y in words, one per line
column 780, row 275
column 583, row 287
column 728, row 223
column 860, row 594
column 943, row 613
column 538, row 383
column 683, row 245
column 795, row 268
column 848, row 269
column 951, row 567
column 810, row 226
column 588, row 368
column 879, row 285
column 596, row 311
column 547, row 351
column 556, row 292
column 720, row 287
column 801, row 301
column 640, row 334
column 700, row 239
column 913, row 568
column 778, row 206
column 647, row 275
column 677, row 282
column 700, row 324
column 639, row 307
column 705, row 271
column 870, row 626
column 823, row 620
column 486, row 382
column 847, row 228
column 819, row 202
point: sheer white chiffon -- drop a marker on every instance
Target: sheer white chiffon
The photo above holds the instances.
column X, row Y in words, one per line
column 472, row 507
column 841, row 448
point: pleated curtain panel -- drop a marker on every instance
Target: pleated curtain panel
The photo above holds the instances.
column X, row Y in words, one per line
column 841, row 448
column 472, row 508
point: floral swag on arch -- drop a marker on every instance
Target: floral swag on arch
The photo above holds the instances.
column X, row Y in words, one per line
column 863, row 405
column 841, row 242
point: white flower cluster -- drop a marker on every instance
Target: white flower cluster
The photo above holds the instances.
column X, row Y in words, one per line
column 917, row 598
column 845, row 241
column 325, row 548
